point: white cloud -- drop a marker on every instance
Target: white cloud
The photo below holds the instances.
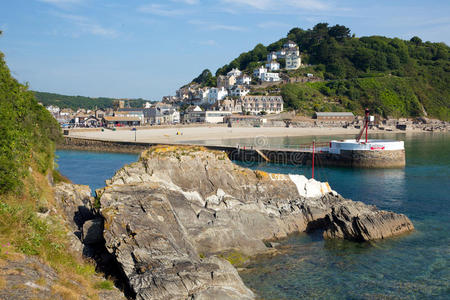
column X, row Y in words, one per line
column 61, row 1
column 189, row 2
column 272, row 24
column 85, row 25
column 281, row 5
column 208, row 43
column 162, row 10
column 64, row 4
column 213, row 26
column 226, row 27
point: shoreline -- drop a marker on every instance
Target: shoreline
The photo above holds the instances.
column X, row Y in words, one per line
column 192, row 134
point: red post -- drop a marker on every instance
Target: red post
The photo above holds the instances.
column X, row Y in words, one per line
column 367, row 126
column 367, row 122
column 314, row 146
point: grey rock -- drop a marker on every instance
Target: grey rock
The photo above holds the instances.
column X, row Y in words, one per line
column 75, row 201
column 360, row 222
column 92, row 232
column 177, row 204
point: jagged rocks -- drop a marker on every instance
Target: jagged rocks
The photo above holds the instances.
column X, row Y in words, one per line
column 360, row 222
column 92, row 232
column 169, row 214
column 75, row 201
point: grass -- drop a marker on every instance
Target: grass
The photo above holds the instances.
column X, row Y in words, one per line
column 2, row 282
column 234, row 257
column 26, row 233
column 104, row 285
column 179, row 151
column 58, row 177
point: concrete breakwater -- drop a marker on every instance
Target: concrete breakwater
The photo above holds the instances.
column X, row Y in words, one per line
column 346, row 158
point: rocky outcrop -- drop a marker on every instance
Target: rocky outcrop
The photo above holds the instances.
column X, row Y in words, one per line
column 167, row 215
column 27, row 277
column 76, row 202
column 360, row 222
column 86, row 233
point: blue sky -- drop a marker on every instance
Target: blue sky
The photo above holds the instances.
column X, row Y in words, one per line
column 138, row 48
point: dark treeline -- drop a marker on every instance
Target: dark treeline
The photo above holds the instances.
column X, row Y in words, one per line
column 75, row 102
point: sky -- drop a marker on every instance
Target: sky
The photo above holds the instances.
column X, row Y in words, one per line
column 148, row 49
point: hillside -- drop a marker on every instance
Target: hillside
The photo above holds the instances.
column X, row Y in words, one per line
column 75, row 102
column 391, row 76
column 36, row 260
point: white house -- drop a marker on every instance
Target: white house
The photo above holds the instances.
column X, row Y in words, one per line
column 281, row 53
column 289, row 44
column 234, row 72
column 239, row 91
column 293, row 51
column 196, row 115
column 216, row 94
column 273, row 65
column 258, row 72
column 243, row 79
column 201, row 95
column 270, row 77
column 226, row 81
column 174, row 116
column 293, row 62
column 53, row 109
column 257, row 104
column 213, row 116
column 271, row 56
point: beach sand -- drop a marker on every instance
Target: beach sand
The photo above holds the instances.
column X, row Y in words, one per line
column 204, row 133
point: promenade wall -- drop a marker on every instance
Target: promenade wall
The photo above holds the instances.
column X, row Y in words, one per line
column 357, row 159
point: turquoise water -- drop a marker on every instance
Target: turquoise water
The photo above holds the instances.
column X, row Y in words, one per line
column 413, row 266
column 91, row 168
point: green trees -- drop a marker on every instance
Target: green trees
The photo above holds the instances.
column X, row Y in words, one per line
column 206, row 78
column 75, row 102
column 27, row 132
column 424, row 68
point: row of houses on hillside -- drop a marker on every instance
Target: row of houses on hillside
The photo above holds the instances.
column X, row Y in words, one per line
column 247, row 105
column 254, row 105
column 290, row 52
column 156, row 114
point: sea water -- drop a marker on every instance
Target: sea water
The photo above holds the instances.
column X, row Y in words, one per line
column 91, row 168
column 411, row 266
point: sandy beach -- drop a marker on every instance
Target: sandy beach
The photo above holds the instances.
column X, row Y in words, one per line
column 187, row 134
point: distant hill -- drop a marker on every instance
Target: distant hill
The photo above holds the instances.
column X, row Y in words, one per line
column 75, row 102
column 391, row 76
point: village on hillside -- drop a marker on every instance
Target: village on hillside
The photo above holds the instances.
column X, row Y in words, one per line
column 237, row 96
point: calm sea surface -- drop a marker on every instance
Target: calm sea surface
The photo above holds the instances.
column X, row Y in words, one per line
column 413, row 266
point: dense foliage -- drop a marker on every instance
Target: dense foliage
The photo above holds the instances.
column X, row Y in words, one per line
column 391, row 76
column 76, row 102
column 27, row 136
column 391, row 96
column 27, row 132
column 205, row 78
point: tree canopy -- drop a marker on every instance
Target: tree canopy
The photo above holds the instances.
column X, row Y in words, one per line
column 76, row 102
column 420, row 68
column 205, row 78
column 27, row 130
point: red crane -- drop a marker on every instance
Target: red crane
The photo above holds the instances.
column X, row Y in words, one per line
column 365, row 126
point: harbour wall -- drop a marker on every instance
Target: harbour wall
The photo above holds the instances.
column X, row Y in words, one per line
column 346, row 158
